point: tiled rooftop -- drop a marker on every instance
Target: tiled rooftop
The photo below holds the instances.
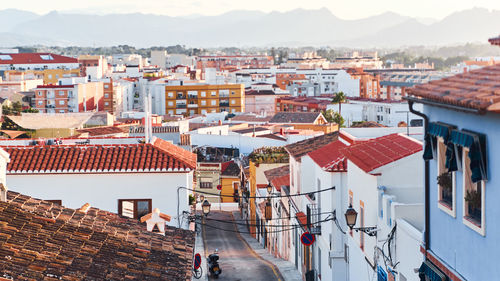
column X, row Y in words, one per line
column 330, row 157
column 478, row 89
column 36, row 58
column 156, row 129
column 40, row 240
column 495, row 41
column 279, row 176
column 295, row 117
column 375, row 153
column 160, row 156
column 103, row 131
column 302, row 148
column 230, row 169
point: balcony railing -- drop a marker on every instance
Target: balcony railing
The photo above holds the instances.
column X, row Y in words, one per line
column 224, row 104
column 313, row 219
column 192, row 105
column 180, row 106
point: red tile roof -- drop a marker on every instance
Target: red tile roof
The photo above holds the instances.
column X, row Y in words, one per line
column 302, row 218
column 278, row 176
column 104, row 131
column 35, row 58
column 330, row 157
column 379, row 152
column 281, row 181
column 160, row 156
column 478, row 89
column 495, row 41
column 40, row 240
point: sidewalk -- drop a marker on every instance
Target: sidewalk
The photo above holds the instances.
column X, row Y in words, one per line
column 286, row 268
column 199, row 248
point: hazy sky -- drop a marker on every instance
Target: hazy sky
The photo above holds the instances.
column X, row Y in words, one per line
column 346, row 9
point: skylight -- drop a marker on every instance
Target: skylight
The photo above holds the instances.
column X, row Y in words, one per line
column 46, row 57
column 5, row 57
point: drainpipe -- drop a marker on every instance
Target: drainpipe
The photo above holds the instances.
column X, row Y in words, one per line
column 426, row 181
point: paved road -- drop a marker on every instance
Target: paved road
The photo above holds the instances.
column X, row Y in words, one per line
column 237, row 260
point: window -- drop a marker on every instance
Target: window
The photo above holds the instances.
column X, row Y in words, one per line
column 134, row 208
column 203, row 102
column 39, row 93
column 40, row 102
column 170, row 103
column 205, row 184
column 61, row 111
column 232, row 93
column 214, row 102
column 474, row 197
column 170, row 94
column 106, row 95
column 50, row 76
column 61, row 93
column 203, row 94
column 213, row 93
column 319, row 262
column 233, row 102
column 61, row 102
column 106, row 103
column 106, row 86
column 446, row 182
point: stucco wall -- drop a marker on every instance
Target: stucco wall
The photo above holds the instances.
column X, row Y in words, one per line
column 103, row 190
column 472, row 255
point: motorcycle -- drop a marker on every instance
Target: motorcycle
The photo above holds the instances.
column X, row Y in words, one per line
column 213, row 264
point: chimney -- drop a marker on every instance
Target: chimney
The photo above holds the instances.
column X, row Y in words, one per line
column 3, row 193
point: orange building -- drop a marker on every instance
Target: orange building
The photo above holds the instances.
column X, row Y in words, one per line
column 369, row 85
column 286, row 79
column 69, row 98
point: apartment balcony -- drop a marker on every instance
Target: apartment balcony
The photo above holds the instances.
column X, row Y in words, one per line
column 50, row 106
column 193, row 105
column 181, row 97
column 180, row 106
column 223, row 95
column 221, row 104
column 192, row 96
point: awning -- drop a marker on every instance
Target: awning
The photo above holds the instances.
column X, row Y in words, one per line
column 427, row 269
column 476, row 143
column 428, row 155
column 439, row 130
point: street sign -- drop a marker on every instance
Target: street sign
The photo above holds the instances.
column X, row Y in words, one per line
column 197, row 261
column 219, row 187
column 307, row 238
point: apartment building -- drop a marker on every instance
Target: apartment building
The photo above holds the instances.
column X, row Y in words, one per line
column 49, row 76
column 93, row 67
column 36, row 61
column 69, row 98
column 233, row 62
column 203, row 99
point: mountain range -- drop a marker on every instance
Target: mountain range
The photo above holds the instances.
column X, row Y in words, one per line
column 245, row 28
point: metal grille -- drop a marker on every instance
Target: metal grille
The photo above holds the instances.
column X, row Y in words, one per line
column 313, row 218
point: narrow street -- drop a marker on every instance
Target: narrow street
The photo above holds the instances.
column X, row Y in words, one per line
column 237, row 260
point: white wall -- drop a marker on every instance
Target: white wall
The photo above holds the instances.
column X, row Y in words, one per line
column 103, row 190
column 408, row 241
column 245, row 144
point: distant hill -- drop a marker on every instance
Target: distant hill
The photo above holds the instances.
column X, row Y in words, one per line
column 246, row 28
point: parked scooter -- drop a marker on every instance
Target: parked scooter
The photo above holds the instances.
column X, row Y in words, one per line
column 213, row 264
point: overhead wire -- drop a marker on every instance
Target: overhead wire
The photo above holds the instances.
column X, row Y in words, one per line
column 259, row 197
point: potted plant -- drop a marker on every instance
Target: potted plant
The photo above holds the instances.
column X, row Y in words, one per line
column 445, row 181
column 473, row 199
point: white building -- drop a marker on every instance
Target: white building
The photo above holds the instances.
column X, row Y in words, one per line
column 128, row 179
column 36, row 61
column 387, row 113
column 385, row 188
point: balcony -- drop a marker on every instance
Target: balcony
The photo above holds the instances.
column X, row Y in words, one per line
column 50, row 106
column 222, row 104
column 192, row 105
column 313, row 219
column 180, row 106
column 181, row 97
column 193, row 96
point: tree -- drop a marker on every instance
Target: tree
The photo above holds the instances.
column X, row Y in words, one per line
column 333, row 117
column 339, row 98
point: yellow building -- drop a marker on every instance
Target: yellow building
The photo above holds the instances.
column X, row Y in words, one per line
column 211, row 175
column 204, row 98
column 49, row 76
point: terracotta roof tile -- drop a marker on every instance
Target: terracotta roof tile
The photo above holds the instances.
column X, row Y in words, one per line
column 44, row 241
column 295, row 117
column 378, row 152
column 302, row 218
column 478, row 89
column 330, row 157
column 36, row 58
column 103, row 131
column 302, row 148
column 230, row 169
column 158, row 156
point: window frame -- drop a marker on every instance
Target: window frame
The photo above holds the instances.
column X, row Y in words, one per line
column 441, row 158
column 150, row 209
column 466, row 219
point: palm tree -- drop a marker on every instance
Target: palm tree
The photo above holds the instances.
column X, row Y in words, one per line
column 339, row 98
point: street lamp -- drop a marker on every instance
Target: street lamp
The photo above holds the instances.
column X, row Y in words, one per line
column 205, row 206
column 350, row 218
column 269, row 188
